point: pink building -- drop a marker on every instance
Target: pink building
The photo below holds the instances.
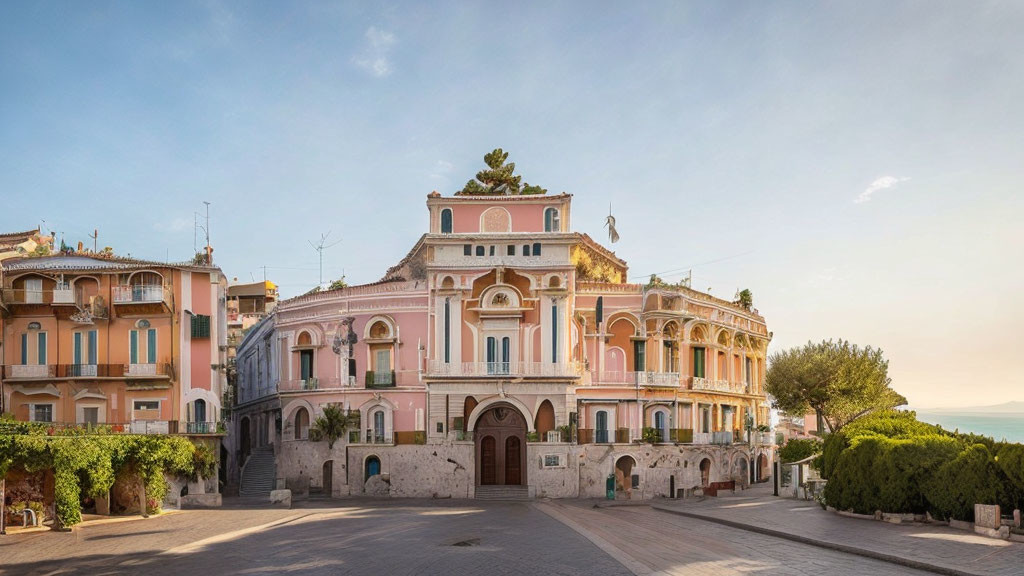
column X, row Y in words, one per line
column 505, row 356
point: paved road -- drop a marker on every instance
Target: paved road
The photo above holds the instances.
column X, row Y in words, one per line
column 931, row 544
column 423, row 537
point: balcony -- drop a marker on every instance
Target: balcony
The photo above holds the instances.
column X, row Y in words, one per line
column 147, row 370
column 30, row 371
column 653, row 379
column 438, row 369
column 310, row 385
column 201, row 428
column 21, row 296
column 718, row 386
column 139, row 293
column 380, row 379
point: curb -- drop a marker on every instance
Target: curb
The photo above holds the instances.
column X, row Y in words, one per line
column 890, row 558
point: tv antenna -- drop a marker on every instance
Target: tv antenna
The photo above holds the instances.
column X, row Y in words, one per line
column 320, row 250
column 95, row 234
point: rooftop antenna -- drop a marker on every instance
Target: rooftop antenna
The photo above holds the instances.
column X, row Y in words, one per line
column 320, row 250
column 609, row 223
column 95, row 234
column 209, row 255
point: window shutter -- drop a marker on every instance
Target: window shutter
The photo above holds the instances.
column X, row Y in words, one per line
column 134, row 356
column 151, row 346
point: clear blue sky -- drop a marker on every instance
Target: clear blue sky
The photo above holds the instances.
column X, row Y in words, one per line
column 857, row 165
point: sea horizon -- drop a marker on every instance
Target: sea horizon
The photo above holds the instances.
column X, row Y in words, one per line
column 1008, row 427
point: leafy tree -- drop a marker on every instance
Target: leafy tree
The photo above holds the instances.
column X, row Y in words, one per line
column 746, row 299
column 338, row 284
column 839, row 380
column 799, row 448
column 333, row 424
column 498, row 178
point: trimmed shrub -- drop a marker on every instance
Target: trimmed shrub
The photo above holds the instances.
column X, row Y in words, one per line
column 799, row 448
column 971, row 478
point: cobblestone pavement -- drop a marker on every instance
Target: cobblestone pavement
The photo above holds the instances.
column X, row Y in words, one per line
column 653, row 542
column 936, row 545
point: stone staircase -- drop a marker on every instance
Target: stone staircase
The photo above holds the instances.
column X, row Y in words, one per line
column 502, row 493
column 260, row 473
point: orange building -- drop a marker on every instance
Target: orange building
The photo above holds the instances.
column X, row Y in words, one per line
column 90, row 339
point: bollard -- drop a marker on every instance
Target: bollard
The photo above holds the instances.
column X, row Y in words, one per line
column 775, row 478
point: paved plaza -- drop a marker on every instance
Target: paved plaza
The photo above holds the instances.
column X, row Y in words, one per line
column 429, row 537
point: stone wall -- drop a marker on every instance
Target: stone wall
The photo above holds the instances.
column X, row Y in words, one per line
column 556, row 470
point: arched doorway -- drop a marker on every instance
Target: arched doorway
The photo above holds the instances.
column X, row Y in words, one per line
column 244, row 438
column 545, row 421
column 705, row 472
column 372, row 467
column 500, row 438
column 762, row 468
column 624, row 474
column 328, row 475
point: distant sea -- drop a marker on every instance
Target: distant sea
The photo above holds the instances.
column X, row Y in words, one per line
column 998, row 426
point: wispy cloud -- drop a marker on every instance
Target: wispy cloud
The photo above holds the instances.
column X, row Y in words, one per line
column 441, row 170
column 883, row 183
column 374, row 56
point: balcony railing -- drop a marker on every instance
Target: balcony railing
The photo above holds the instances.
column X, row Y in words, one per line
column 380, row 379
column 527, row 369
column 145, row 370
column 30, row 371
column 139, row 293
column 200, row 427
column 79, row 370
column 309, row 385
column 718, row 385
column 649, row 378
column 376, row 437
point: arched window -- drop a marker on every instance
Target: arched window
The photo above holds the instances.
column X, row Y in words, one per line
column 199, row 414
column 661, row 425
column 601, row 427
column 552, row 222
column 372, row 467
column 378, row 426
column 446, row 221
column 301, row 424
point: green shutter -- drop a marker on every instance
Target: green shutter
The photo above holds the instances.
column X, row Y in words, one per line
column 151, row 346
column 42, row 348
column 92, row 347
column 134, row 347
column 24, row 349
column 78, row 347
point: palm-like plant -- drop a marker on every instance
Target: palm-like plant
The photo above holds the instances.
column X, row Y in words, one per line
column 333, row 424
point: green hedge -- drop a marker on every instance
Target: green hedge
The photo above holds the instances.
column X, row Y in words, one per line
column 890, row 461
column 797, row 449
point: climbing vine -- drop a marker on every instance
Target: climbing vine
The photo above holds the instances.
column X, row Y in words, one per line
column 90, row 462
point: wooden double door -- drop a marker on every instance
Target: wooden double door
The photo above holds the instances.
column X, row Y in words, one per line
column 500, row 438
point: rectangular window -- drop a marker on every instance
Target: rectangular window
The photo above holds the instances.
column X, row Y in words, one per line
column 200, row 326
column 536, row 249
column 41, row 358
column 526, row 249
column 134, row 347
column 749, row 371
column 511, row 250
column 479, row 250
column 447, row 330
column 42, row 412
column 467, row 249
column 639, row 355
column 306, row 364
column 91, row 416
column 92, row 353
column 24, row 349
column 146, row 405
column 698, row 362
column 492, row 251
column 151, row 346
column 554, row 333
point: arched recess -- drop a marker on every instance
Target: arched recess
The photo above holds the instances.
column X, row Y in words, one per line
column 487, row 404
column 145, row 278
column 495, row 219
column 288, row 414
column 624, row 468
column 379, row 327
column 545, row 421
column 371, row 467
column 369, row 422
column 705, row 472
column 467, row 409
column 300, row 423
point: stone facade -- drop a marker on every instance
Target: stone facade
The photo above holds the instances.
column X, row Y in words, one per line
column 507, row 350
